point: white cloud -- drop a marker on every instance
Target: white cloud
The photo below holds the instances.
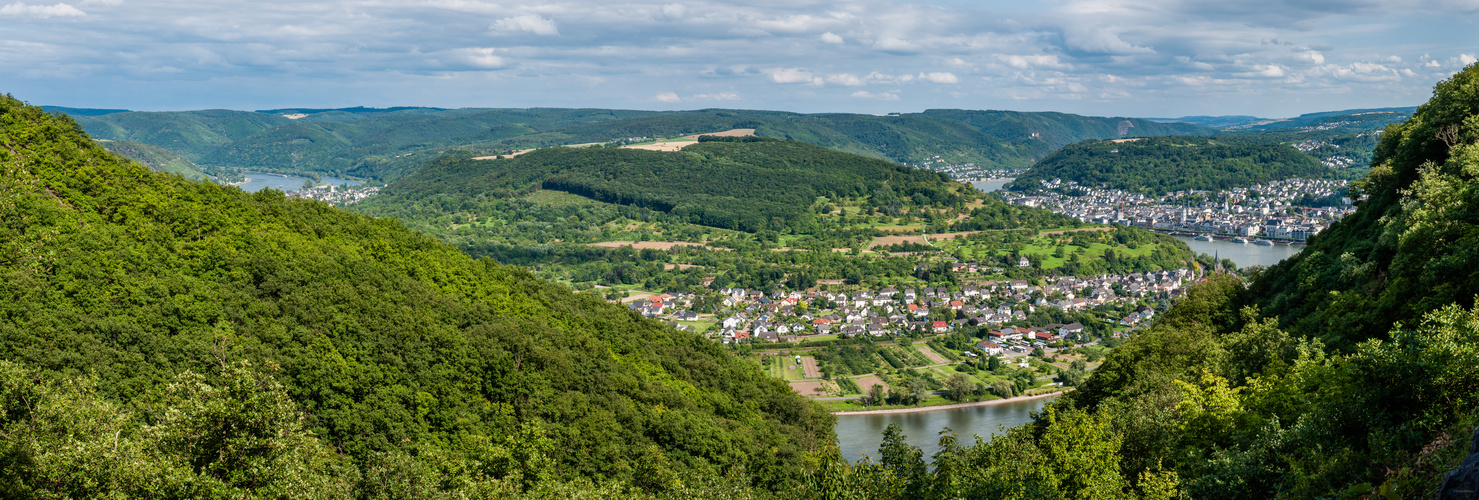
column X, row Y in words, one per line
column 41, row 11
column 792, row 75
column 845, row 79
column 1365, row 72
column 1032, row 61
column 1100, row 41
column 482, row 58
column 673, row 97
column 882, row 96
column 896, row 46
column 528, row 22
column 1466, row 59
column 1314, row 57
column 674, row 11
column 832, row 38
column 1264, row 71
column 939, row 77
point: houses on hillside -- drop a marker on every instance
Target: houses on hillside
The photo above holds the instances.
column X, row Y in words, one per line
column 780, row 315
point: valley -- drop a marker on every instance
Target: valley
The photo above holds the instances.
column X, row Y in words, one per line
column 669, row 311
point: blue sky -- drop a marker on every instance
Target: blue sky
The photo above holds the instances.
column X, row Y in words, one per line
column 1152, row 58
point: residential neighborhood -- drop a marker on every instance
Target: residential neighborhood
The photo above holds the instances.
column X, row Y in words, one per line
column 336, row 195
column 795, row 315
column 1263, row 211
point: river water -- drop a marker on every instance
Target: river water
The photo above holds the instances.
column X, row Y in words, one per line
column 989, row 186
column 859, row 434
column 1243, row 254
column 257, row 181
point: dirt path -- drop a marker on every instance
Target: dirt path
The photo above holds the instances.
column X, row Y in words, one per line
column 866, row 383
column 809, row 367
column 947, row 407
column 655, row 245
column 930, row 353
column 495, row 157
column 806, row 388
column 916, row 238
column 689, row 140
column 1079, row 230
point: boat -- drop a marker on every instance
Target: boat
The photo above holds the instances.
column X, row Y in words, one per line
column 1239, row 239
column 1266, row 243
column 1204, row 237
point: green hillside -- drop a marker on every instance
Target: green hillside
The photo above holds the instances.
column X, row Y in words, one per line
column 1160, row 165
column 750, row 212
column 167, row 338
column 1348, row 371
column 744, row 186
column 156, row 158
column 190, row 134
column 386, row 144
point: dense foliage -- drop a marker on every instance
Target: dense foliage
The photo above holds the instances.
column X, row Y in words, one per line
column 1159, row 165
column 746, row 186
column 150, row 307
column 156, row 158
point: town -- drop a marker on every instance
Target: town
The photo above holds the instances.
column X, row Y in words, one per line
column 1291, row 209
column 336, row 195
column 965, row 172
column 793, row 316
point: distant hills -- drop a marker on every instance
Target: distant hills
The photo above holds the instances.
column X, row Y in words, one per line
column 387, row 143
column 75, row 112
column 1159, row 165
column 1347, row 120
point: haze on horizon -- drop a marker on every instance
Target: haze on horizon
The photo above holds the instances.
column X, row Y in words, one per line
column 1154, row 58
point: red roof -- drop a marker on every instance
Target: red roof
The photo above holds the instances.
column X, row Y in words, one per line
column 939, row 324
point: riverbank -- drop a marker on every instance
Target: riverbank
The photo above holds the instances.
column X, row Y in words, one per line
column 887, row 411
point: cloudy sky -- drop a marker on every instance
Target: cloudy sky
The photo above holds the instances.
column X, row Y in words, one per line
column 1150, row 58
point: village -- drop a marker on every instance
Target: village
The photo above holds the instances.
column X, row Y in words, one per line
column 335, row 195
column 965, row 172
column 1271, row 211
column 757, row 316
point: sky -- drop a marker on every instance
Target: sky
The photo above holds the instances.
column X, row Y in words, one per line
column 1150, row 58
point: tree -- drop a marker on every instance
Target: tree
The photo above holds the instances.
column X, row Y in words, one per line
column 876, row 395
column 958, row 386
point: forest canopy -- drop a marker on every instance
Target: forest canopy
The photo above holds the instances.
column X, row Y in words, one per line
column 1159, row 165
column 157, row 309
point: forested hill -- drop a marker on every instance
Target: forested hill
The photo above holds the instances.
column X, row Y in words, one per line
column 385, row 144
column 1159, row 165
column 167, row 338
column 743, row 184
column 155, row 158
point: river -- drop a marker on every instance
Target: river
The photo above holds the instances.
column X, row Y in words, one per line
column 992, row 185
column 257, row 181
column 1242, row 254
column 858, row 434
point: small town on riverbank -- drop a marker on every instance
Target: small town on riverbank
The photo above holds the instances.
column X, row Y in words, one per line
column 927, row 346
column 335, row 195
column 1291, row 209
